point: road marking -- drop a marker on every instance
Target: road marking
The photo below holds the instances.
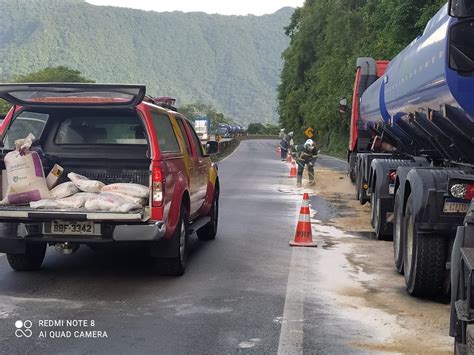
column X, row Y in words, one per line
column 291, row 334
column 1, row 255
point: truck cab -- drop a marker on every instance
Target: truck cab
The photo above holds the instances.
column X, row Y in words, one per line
column 112, row 134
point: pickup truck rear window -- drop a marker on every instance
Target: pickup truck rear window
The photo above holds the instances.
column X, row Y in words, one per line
column 101, row 130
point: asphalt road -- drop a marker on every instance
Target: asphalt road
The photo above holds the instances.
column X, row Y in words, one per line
column 244, row 292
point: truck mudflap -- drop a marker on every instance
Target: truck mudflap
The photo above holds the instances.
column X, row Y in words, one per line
column 27, row 214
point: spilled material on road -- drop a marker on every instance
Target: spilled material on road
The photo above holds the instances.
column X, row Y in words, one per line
column 356, row 281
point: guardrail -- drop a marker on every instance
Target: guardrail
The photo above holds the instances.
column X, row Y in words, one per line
column 225, row 143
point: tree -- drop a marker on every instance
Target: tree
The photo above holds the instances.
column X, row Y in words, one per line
column 326, row 37
column 57, row 74
column 256, row 128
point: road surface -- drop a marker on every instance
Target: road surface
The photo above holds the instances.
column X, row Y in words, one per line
column 245, row 292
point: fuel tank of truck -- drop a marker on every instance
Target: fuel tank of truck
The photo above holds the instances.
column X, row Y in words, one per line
column 436, row 69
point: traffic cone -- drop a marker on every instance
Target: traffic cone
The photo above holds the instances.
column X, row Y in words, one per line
column 293, row 170
column 303, row 235
column 279, row 151
column 288, row 158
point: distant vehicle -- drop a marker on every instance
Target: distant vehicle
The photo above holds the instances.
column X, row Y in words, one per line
column 114, row 134
column 223, row 130
column 202, row 125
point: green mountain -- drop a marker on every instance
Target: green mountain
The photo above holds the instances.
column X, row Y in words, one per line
column 230, row 62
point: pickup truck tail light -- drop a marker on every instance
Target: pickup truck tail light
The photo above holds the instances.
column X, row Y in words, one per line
column 157, row 186
column 463, row 191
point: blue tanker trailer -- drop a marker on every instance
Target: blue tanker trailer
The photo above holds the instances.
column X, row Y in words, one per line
column 411, row 154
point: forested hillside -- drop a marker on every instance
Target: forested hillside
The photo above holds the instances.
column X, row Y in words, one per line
column 319, row 65
column 230, row 62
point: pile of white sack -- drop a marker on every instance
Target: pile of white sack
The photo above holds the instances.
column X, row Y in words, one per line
column 27, row 184
column 94, row 195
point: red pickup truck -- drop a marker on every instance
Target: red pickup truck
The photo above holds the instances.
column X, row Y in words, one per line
column 112, row 134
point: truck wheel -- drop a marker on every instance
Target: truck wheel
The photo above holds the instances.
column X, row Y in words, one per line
column 358, row 187
column 29, row 261
column 378, row 213
column 372, row 209
column 425, row 258
column 352, row 175
column 398, row 232
column 209, row 231
column 176, row 265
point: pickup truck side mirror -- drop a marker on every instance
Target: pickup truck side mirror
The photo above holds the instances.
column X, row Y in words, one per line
column 212, row 147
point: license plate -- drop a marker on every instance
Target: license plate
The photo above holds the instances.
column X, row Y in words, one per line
column 391, row 189
column 71, row 228
column 455, row 207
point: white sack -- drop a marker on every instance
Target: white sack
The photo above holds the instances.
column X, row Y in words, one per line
column 85, row 184
column 25, row 174
column 76, row 201
column 138, row 200
column 136, row 190
column 65, row 189
column 111, row 203
column 45, row 204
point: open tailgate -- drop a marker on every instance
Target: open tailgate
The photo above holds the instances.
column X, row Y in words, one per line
column 28, row 214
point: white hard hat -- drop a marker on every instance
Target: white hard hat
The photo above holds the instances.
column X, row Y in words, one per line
column 308, row 143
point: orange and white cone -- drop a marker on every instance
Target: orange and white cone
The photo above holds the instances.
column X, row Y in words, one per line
column 279, row 151
column 304, row 235
column 293, row 171
column 288, row 158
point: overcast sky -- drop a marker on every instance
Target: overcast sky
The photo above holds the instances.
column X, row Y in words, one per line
column 224, row 7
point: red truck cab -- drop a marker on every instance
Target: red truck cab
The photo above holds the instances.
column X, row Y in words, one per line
column 113, row 134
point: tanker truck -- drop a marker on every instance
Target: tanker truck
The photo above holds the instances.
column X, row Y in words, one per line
column 411, row 151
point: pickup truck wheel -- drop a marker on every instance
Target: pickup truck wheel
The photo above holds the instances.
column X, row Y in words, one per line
column 209, row 231
column 398, row 232
column 425, row 258
column 29, row 261
column 175, row 266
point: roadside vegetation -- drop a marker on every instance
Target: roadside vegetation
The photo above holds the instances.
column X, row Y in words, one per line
column 59, row 74
column 326, row 37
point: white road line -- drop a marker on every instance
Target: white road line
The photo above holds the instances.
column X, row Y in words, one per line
column 291, row 334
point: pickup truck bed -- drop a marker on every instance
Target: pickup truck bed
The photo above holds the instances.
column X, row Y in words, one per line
column 26, row 213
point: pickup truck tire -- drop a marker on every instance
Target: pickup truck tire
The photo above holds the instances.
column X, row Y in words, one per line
column 209, row 231
column 31, row 260
column 176, row 265
column 398, row 232
column 425, row 258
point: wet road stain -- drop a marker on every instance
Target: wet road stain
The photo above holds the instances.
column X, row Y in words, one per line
column 364, row 235
column 329, row 245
